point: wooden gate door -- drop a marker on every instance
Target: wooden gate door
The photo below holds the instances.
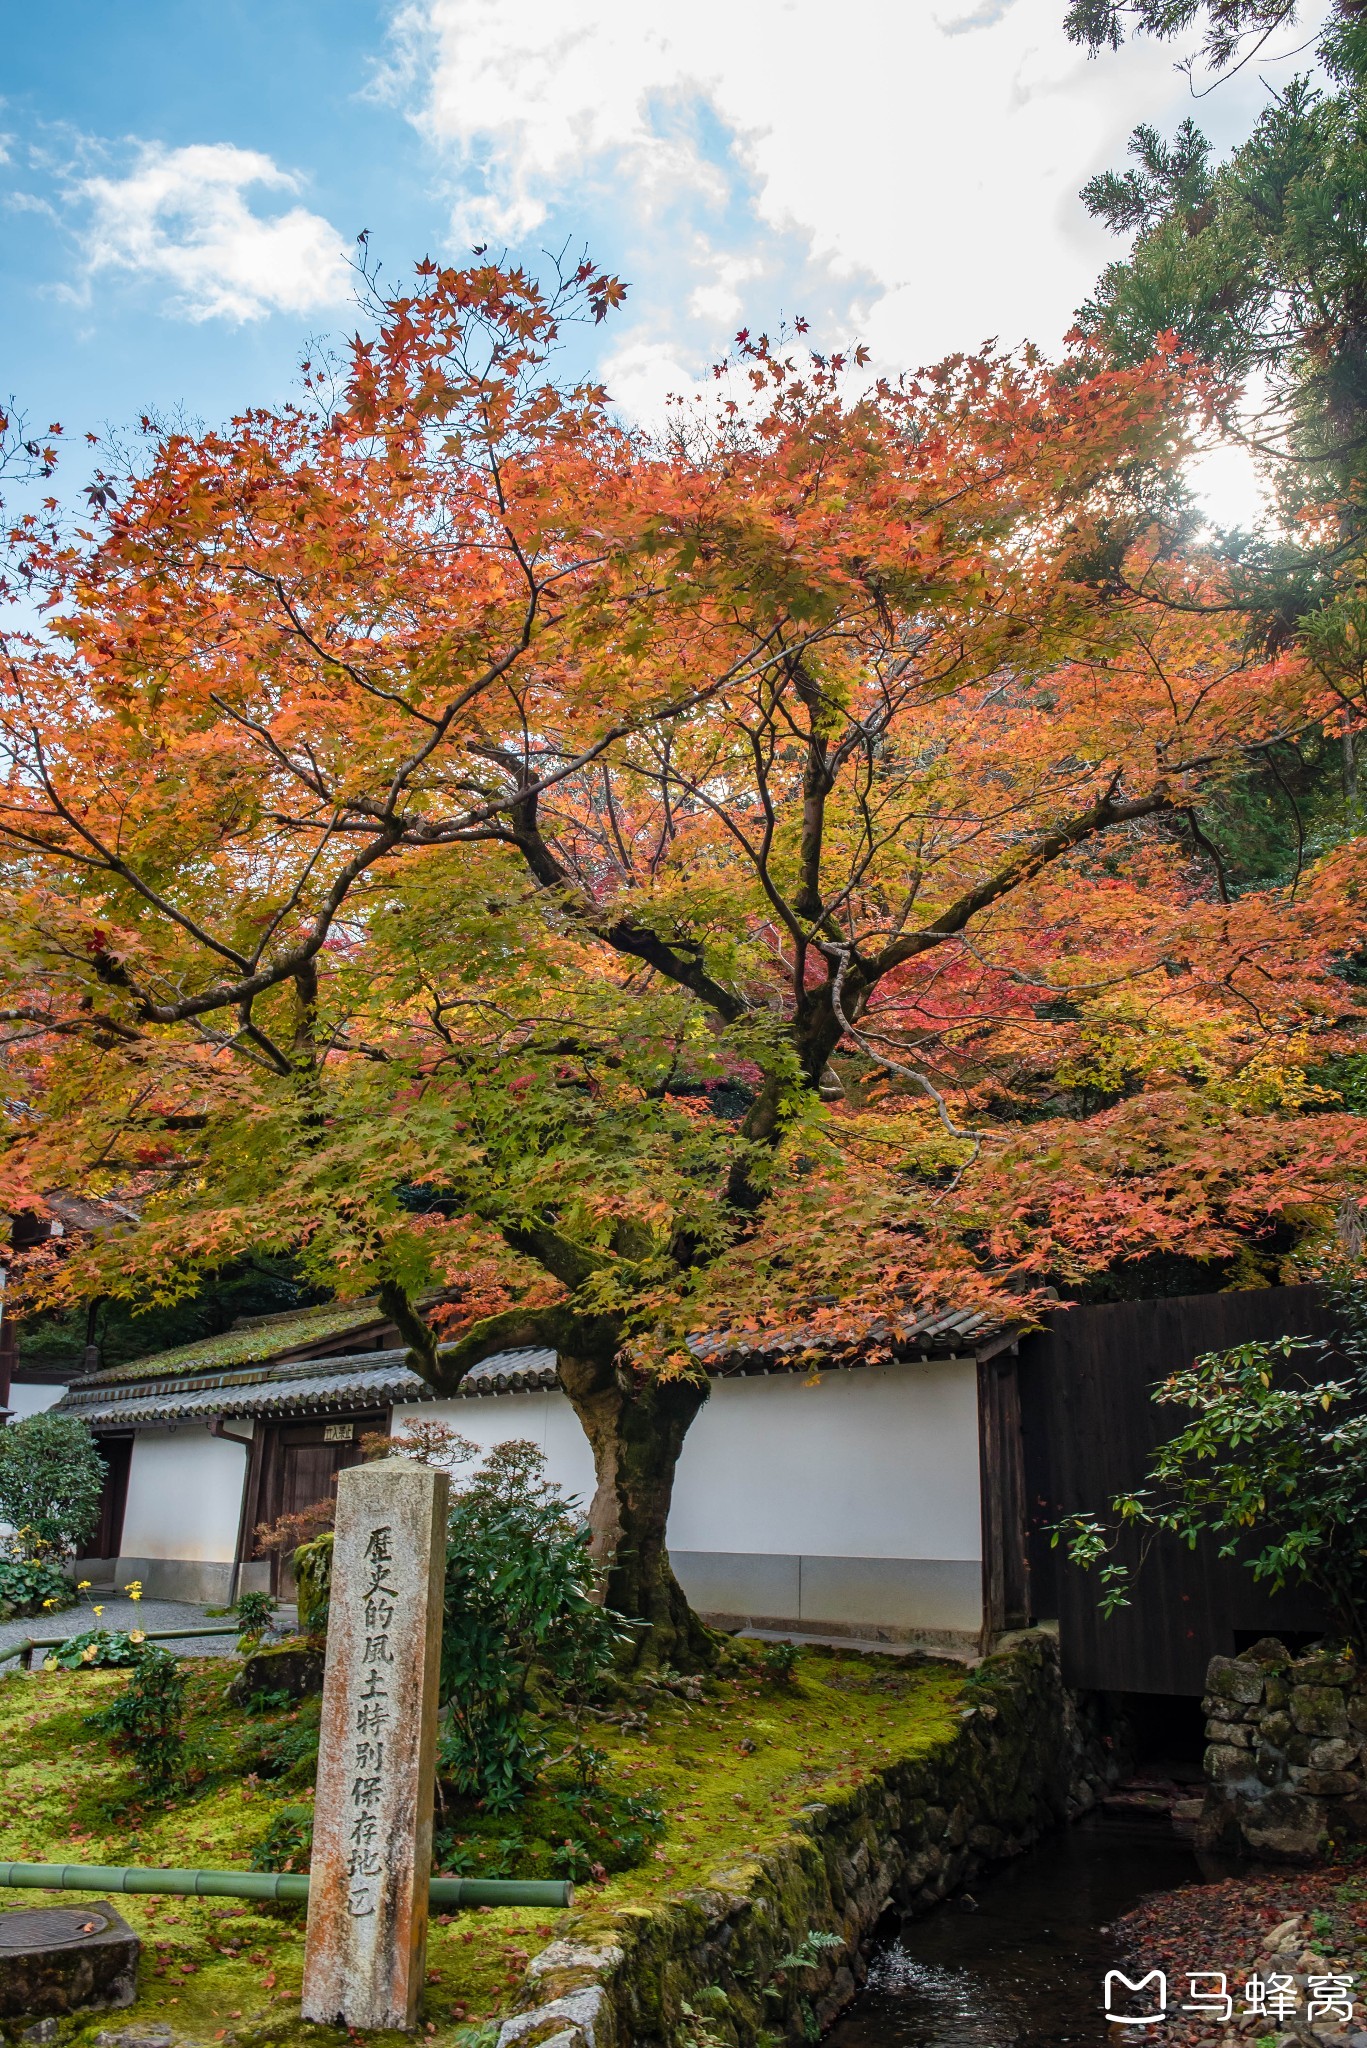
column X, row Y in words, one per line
column 117, row 1452
column 301, row 1466
column 1006, row 1564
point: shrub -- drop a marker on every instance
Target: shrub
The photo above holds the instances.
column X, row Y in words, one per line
column 51, row 1480
column 561, row 1830
column 519, row 1605
column 288, row 1842
column 519, row 1608
column 33, row 1585
column 289, row 1753
column 253, row 1612
column 147, row 1722
column 777, row 1662
column 291, row 1531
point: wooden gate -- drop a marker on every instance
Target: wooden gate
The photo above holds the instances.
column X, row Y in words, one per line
column 1088, row 1429
column 295, row 1467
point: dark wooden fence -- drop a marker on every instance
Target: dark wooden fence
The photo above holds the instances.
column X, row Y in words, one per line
column 1088, row 1426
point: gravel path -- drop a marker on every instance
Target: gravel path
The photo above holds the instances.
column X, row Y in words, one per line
column 121, row 1613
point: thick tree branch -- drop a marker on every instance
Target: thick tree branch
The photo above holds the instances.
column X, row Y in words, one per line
column 444, row 1366
column 816, row 787
column 569, row 1263
column 1111, row 810
column 680, row 962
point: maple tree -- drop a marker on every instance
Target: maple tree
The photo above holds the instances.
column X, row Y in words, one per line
column 642, row 894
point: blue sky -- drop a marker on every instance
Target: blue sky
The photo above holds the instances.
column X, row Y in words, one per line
column 183, row 181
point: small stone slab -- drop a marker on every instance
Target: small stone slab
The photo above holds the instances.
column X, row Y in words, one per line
column 58, row 1959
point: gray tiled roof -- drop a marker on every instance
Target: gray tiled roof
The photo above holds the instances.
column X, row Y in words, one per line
column 374, row 1378
column 901, row 1337
column 378, row 1379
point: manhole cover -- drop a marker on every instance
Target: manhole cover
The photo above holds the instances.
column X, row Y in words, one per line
column 49, row 1927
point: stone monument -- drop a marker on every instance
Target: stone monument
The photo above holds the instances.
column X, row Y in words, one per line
column 365, row 1950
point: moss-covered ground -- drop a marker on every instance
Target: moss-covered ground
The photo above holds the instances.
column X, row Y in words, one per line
column 727, row 1770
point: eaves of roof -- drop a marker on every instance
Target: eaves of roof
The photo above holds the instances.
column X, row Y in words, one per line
column 966, row 1332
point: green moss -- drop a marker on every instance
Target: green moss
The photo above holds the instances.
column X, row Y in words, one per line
column 254, row 1345
column 731, row 1773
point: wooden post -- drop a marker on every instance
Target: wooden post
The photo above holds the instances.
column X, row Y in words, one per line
column 365, row 1951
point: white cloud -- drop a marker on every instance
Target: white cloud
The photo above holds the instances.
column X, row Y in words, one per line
column 908, row 171
column 641, row 374
column 534, row 95
column 181, row 216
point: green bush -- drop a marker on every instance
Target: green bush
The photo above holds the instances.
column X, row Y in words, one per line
column 33, row 1585
column 283, row 1746
column 288, row 1842
column 561, row 1830
column 51, row 1480
column 252, row 1612
column 519, row 1610
column 777, row 1662
column 147, row 1722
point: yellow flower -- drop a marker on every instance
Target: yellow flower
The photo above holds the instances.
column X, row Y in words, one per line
column 49, row 1663
column 137, row 1635
column 134, row 1589
column 97, row 1610
column 90, row 1653
column 84, row 1586
column 49, row 1604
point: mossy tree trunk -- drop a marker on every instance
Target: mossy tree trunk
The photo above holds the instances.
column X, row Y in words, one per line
column 636, row 1427
column 635, row 1424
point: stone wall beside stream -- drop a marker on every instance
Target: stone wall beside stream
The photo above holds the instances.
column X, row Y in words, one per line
column 703, row 1970
column 1286, row 1756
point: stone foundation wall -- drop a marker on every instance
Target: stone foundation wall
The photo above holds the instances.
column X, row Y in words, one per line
column 700, row 1971
column 1286, row 1762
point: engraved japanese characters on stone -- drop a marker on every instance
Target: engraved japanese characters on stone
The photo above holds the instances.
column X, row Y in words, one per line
column 367, row 1927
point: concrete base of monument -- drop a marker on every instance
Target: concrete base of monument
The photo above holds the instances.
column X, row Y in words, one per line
column 61, row 1959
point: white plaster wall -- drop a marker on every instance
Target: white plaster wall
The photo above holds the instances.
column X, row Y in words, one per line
column 26, row 1400
column 878, row 1462
column 547, row 1420
column 184, row 1496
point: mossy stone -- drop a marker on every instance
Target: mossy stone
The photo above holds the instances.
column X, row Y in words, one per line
column 1319, row 1710
column 1275, row 1729
column 291, row 1669
column 1230, row 1678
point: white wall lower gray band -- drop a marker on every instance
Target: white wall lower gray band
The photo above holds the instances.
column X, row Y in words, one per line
column 203, row 1580
column 915, row 1593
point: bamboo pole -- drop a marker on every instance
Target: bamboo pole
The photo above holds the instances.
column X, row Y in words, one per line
column 442, row 1892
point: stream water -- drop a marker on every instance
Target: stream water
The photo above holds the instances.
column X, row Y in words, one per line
column 1026, row 1968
